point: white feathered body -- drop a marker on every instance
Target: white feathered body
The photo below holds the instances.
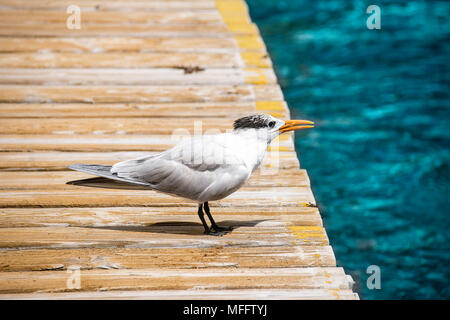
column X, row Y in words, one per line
column 203, row 168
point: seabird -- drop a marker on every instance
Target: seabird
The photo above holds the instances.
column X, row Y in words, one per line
column 206, row 167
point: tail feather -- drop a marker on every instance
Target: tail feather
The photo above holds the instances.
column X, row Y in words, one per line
column 105, row 172
column 95, row 169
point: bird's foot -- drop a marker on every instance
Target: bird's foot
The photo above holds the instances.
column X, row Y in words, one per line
column 215, row 233
column 217, row 228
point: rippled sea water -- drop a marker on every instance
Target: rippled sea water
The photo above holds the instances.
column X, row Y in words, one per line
column 379, row 156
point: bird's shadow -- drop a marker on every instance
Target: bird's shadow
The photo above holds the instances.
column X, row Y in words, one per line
column 179, row 227
column 168, row 227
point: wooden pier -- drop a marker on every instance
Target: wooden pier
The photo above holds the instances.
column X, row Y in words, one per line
column 118, row 88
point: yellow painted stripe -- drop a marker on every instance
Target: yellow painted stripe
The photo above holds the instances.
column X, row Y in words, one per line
column 248, row 28
column 305, row 235
column 271, row 106
column 306, row 228
column 255, row 59
column 235, row 15
column 231, row 6
column 249, row 43
column 269, row 156
column 335, row 293
column 276, row 109
column 272, row 148
column 239, row 17
column 277, row 115
column 255, row 76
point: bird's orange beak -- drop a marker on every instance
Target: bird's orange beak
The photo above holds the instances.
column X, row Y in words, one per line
column 292, row 125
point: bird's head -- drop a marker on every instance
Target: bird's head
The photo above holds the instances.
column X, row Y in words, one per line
column 267, row 126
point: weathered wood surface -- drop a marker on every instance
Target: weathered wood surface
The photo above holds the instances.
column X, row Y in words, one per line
column 135, row 60
column 181, row 279
column 120, row 17
column 130, row 44
column 162, row 76
column 134, row 30
column 233, row 294
column 124, row 94
column 132, row 81
column 93, row 5
column 198, row 110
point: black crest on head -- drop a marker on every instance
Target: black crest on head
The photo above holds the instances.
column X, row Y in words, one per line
column 252, row 122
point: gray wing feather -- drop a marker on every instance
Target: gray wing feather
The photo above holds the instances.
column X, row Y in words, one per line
column 193, row 169
column 105, row 171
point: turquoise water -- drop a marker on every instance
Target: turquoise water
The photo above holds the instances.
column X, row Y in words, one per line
column 379, row 156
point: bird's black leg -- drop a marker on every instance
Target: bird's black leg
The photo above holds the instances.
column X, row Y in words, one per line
column 202, row 218
column 205, row 225
column 213, row 223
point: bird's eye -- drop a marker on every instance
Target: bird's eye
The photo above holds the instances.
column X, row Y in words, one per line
column 272, row 124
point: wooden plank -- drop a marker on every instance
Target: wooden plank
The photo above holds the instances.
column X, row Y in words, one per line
column 172, row 234
column 130, row 44
column 119, row 60
column 247, row 294
column 183, row 60
column 139, row 258
column 12, row 17
column 122, row 94
column 165, row 217
column 57, row 179
column 103, row 142
column 132, row 30
column 179, row 279
column 77, row 196
column 160, row 76
column 107, row 229
column 91, row 5
column 198, row 110
column 165, row 126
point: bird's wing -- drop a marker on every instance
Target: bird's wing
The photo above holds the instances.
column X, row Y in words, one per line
column 106, row 179
column 201, row 169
